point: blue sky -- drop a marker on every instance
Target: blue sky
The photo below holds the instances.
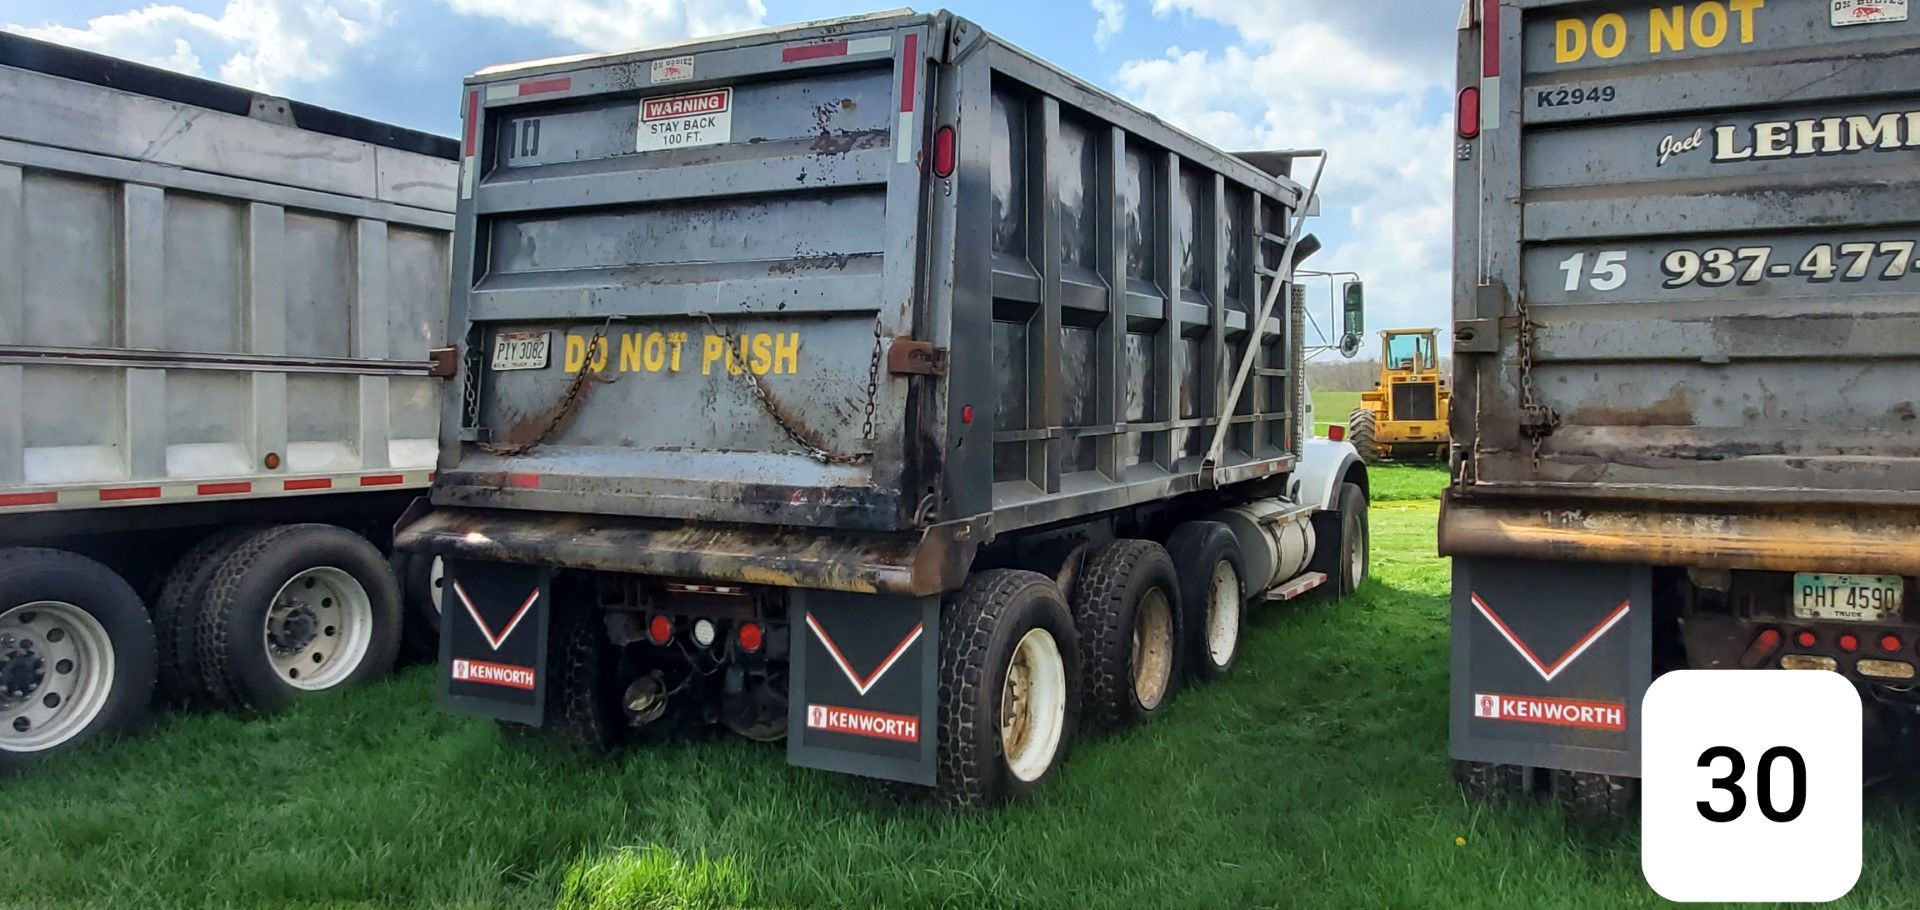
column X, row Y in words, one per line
column 1369, row 79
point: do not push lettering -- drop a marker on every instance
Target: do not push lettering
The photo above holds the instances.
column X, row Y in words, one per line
column 759, row 353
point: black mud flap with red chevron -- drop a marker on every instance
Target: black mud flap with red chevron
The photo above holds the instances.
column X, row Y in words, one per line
column 493, row 639
column 865, row 694
column 1550, row 661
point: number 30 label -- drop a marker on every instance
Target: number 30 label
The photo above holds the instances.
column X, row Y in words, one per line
column 1741, row 765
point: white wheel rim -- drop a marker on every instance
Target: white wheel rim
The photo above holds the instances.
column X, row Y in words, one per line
column 1357, row 560
column 56, row 671
column 436, row 579
column 1223, row 613
column 1033, row 705
column 318, row 628
column 1152, row 656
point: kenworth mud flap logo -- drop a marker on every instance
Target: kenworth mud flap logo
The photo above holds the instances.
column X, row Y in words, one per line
column 1550, row 660
column 493, row 642
column 863, row 695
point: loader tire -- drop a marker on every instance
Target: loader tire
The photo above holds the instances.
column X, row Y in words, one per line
column 296, row 610
column 76, row 655
column 1127, row 607
column 1009, row 688
column 1213, row 590
column 177, row 611
column 1363, row 430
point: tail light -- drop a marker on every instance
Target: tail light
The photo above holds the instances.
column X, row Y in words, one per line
column 1764, row 644
column 1336, row 432
column 1806, row 639
column 1467, row 112
column 1890, row 644
column 1848, row 643
column 750, row 636
column 660, row 629
column 943, row 152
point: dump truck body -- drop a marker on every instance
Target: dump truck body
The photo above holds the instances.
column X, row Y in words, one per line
column 817, row 317
column 1686, row 307
column 216, row 311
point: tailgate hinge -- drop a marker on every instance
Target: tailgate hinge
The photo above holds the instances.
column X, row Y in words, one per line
column 444, row 362
column 907, row 357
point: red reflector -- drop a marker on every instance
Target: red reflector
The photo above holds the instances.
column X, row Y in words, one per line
column 1849, row 643
column 750, row 637
column 1336, row 432
column 660, row 629
column 966, row 414
column 1890, row 643
column 943, row 152
column 1769, row 639
column 526, row 481
column 1806, row 639
column 1466, row 113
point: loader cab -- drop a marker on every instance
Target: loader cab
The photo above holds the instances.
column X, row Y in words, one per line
column 1406, row 413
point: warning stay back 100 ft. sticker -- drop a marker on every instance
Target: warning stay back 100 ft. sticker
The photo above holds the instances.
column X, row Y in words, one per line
column 684, row 121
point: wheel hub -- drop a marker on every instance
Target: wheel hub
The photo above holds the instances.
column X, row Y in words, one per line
column 292, row 630
column 21, row 672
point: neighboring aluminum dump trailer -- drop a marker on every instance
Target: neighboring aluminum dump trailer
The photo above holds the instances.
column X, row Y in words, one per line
column 216, row 310
column 1687, row 300
column 851, row 383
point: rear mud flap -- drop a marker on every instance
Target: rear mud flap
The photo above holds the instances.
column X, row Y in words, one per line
column 1550, row 660
column 864, row 696
column 493, row 639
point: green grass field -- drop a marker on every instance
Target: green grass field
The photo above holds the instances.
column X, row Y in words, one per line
column 1331, row 408
column 1315, row 775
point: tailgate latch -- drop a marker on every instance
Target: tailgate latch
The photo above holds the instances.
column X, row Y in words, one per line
column 908, row 357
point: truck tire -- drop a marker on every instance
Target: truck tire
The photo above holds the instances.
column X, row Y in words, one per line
column 293, row 610
column 76, row 654
column 1343, row 541
column 583, row 709
column 1363, row 430
column 1488, row 781
column 1596, row 797
column 1127, row 608
column 1213, row 590
column 420, row 576
column 176, row 615
column 1009, row 687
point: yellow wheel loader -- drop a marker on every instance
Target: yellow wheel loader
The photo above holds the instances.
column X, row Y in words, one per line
column 1405, row 416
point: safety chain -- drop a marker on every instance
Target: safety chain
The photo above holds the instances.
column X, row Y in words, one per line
column 873, row 382
column 569, row 401
column 1536, row 420
column 780, row 419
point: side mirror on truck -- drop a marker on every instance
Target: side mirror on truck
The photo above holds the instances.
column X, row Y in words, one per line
column 1353, row 317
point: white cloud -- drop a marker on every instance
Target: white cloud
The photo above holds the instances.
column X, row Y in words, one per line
column 619, row 24
column 261, row 44
column 1302, row 77
column 1113, row 18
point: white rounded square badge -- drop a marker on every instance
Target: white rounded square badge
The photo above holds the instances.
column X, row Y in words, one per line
column 1741, row 768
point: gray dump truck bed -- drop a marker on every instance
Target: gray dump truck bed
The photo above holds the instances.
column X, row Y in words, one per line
column 736, row 295
column 1709, row 221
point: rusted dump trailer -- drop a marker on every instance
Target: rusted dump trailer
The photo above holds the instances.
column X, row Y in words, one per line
column 215, row 316
column 1687, row 306
column 851, row 383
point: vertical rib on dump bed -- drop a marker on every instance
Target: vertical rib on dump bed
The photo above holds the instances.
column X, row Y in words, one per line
column 1708, row 212
column 716, row 281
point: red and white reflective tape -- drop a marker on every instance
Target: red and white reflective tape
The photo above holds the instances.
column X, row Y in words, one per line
column 909, row 87
column 501, row 91
column 1298, row 586
column 137, row 494
column 469, row 144
column 845, row 47
column 1489, row 65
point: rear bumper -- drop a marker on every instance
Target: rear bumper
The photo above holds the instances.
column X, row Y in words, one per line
column 1761, row 538
column 921, row 563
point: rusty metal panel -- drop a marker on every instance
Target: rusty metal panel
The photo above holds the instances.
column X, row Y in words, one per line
column 778, row 315
column 1696, row 227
